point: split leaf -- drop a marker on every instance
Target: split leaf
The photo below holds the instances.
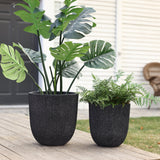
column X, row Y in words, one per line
column 12, row 64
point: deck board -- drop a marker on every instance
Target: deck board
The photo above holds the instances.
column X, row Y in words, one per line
column 17, row 143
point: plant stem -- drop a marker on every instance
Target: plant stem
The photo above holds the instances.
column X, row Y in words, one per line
column 42, row 76
column 55, row 80
column 43, row 64
column 61, row 79
column 52, row 81
column 62, row 39
column 51, row 74
column 62, row 69
column 35, row 83
column 60, row 65
column 75, row 78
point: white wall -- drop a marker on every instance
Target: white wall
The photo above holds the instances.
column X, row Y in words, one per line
column 140, row 36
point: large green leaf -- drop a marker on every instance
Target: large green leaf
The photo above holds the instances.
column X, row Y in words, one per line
column 34, row 56
column 12, row 64
column 100, row 55
column 35, row 16
column 32, row 4
column 81, row 26
column 69, row 70
column 68, row 13
column 69, row 50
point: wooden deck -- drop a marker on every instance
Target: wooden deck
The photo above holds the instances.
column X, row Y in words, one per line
column 17, row 143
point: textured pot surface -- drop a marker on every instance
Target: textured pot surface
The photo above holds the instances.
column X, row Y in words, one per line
column 109, row 126
column 53, row 117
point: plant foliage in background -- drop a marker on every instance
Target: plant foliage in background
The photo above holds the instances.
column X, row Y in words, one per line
column 73, row 22
column 110, row 92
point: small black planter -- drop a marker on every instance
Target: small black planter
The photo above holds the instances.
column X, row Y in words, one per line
column 109, row 126
column 53, row 117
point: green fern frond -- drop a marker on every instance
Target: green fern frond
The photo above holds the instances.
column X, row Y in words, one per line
column 110, row 92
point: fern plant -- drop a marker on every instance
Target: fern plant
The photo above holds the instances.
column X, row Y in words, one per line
column 110, row 92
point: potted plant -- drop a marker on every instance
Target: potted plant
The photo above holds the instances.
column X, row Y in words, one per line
column 109, row 108
column 53, row 112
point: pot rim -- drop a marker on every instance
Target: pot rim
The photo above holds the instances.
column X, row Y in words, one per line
column 93, row 104
column 63, row 93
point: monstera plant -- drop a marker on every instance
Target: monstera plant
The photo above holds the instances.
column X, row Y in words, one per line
column 73, row 22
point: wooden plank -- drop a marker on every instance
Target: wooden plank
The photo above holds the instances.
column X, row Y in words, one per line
column 140, row 151
column 121, row 152
column 17, row 119
column 17, row 116
column 71, row 149
column 17, row 138
column 30, row 150
column 8, row 154
column 15, row 127
column 27, row 147
column 3, row 157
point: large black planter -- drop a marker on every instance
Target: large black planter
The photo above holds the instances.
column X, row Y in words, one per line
column 53, row 117
column 109, row 126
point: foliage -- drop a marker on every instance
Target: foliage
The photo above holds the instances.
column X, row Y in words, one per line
column 34, row 16
column 110, row 92
column 12, row 64
column 69, row 51
column 73, row 22
column 100, row 55
column 69, row 69
column 79, row 28
column 34, row 56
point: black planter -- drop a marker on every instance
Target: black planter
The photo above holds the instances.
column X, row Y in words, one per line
column 109, row 126
column 53, row 117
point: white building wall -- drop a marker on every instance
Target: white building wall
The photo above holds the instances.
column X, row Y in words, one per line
column 131, row 26
column 140, row 36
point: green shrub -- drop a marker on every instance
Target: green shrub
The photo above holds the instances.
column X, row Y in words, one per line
column 110, row 92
